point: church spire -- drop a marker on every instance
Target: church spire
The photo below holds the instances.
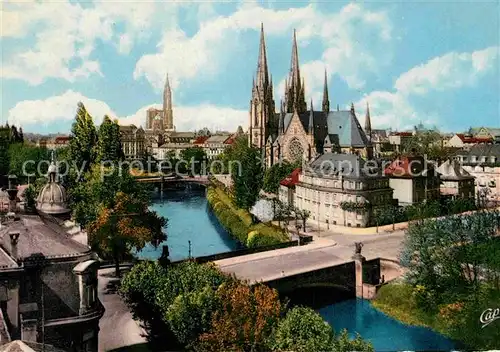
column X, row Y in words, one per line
column 262, row 70
column 295, row 95
column 168, row 119
column 294, row 65
column 352, row 108
column 368, row 123
column 281, row 124
column 326, row 100
column 311, row 119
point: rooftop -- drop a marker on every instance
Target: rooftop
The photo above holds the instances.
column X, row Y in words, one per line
column 39, row 235
column 292, row 179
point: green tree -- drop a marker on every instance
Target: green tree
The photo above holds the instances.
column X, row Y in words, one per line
column 26, row 159
column 4, row 151
column 343, row 343
column 30, row 195
column 108, row 142
column 247, row 177
column 190, row 314
column 276, row 173
column 126, row 227
column 83, row 140
column 193, row 160
column 303, row 330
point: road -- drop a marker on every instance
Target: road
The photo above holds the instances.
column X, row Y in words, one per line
column 325, row 251
column 118, row 328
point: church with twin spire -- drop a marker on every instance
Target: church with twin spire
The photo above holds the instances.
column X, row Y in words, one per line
column 298, row 132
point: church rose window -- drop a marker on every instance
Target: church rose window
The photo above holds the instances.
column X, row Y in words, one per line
column 295, row 149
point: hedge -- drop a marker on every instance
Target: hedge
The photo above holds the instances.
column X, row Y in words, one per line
column 239, row 223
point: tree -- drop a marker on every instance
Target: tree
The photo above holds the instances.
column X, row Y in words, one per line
column 247, row 175
column 99, row 190
column 26, row 159
column 342, row 343
column 83, row 140
column 30, row 195
column 303, row 330
column 195, row 158
column 4, row 151
column 108, row 144
column 125, row 227
column 276, row 173
column 245, row 320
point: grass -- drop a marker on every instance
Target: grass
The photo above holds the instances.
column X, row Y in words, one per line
column 396, row 301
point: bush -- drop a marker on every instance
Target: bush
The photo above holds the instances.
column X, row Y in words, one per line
column 239, row 223
column 303, row 330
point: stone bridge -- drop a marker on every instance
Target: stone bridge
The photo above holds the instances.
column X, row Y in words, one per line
column 203, row 180
column 313, row 265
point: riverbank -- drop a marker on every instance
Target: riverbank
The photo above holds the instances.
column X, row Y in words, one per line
column 239, row 222
column 458, row 321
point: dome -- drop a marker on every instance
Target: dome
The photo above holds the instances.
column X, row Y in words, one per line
column 52, row 198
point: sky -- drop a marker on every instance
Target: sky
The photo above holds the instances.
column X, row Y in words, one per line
column 436, row 63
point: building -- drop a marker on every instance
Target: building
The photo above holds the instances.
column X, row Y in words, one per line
column 286, row 190
column 58, row 142
column 413, row 180
column 48, row 281
column 485, row 133
column 483, row 162
column 400, row 140
column 133, row 142
column 455, row 181
column 466, row 141
column 215, row 145
column 297, row 132
column 162, row 119
column 342, row 189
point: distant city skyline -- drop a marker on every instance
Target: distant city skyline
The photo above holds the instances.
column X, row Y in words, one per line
column 433, row 62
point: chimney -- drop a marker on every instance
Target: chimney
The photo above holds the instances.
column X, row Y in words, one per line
column 14, row 239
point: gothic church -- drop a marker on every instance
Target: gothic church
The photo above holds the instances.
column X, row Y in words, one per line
column 296, row 133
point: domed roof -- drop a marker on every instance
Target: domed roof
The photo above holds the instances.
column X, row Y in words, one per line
column 52, row 198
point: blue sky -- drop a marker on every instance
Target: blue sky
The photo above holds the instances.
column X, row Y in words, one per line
column 431, row 62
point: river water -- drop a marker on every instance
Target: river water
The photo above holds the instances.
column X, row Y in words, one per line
column 190, row 219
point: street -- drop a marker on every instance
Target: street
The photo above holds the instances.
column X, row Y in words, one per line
column 118, row 331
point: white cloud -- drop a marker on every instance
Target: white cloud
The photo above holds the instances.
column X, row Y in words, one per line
column 56, row 110
column 447, row 72
column 65, row 35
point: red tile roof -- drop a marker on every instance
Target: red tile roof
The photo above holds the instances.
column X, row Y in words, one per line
column 405, row 167
column 292, row 179
column 403, row 134
column 201, row 139
column 473, row 140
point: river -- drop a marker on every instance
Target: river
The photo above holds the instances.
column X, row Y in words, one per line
column 190, row 219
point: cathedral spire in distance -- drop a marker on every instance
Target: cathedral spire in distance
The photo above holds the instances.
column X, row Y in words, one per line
column 262, row 70
column 311, row 119
column 368, row 123
column 326, row 100
column 168, row 118
column 295, row 97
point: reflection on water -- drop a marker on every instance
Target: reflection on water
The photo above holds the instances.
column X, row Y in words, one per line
column 189, row 219
column 343, row 311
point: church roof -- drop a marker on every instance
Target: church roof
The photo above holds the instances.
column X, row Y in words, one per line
column 350, row 166
column 343, row 124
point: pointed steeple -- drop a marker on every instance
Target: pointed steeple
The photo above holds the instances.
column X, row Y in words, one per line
column 168, row 118
column 294, row 65
column 311, row 119
column 326, row 100
column 262, row 70
column 352, row 108
column 368, row 123
column 281, row 123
